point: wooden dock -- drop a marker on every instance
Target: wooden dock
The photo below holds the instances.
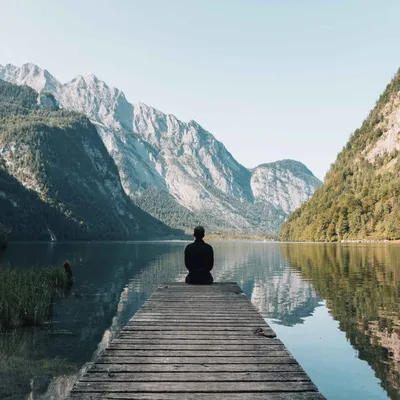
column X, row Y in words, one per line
column 196, row 342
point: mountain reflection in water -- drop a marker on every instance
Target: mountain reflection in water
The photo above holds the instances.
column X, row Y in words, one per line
column 286, row 282
column 361, row 285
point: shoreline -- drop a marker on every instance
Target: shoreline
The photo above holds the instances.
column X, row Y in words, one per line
column 369, row 241
column 207, row 239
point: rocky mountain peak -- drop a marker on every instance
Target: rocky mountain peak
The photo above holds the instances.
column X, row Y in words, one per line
column 93, row 83
column 180, row 159
column 290, row 165
column 285, row 183
column 31, row 75
column 103, row 104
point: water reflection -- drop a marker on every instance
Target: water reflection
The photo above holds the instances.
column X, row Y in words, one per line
column 112, row 280
column 278, row 292
column 287, row 282
column 362, row 287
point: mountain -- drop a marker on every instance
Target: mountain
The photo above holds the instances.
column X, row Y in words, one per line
column 57, row 176
column 360, row 198
column 24, row 216
column 175, row 170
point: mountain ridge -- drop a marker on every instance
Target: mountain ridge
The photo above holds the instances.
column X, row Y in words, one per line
column 153, row 149
column 65, row 173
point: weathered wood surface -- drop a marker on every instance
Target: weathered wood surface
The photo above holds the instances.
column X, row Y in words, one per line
column 196, row 342
column 200, row 396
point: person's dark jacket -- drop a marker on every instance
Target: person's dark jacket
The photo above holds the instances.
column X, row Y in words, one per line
column 199, row 260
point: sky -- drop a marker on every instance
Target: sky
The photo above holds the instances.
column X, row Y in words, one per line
column 271, row 79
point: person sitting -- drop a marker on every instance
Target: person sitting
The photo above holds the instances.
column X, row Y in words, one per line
column 199, row 259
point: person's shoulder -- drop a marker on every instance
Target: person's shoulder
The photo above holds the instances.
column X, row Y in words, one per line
column 208, row 245
column 188, row 246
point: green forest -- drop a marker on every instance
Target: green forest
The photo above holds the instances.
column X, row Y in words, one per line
column 359, row 199
column 55, row 173
column 164, row 207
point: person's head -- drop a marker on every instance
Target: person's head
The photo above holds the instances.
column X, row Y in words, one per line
column 198, row 232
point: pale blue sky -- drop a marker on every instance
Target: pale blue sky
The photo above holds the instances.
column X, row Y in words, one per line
column 270, row 79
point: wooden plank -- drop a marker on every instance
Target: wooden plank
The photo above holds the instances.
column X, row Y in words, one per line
column 200, row 300
column 195, row 328
column 127, row 337
column 178, row 318
column 227, row 298
column 110, row 352
column 191, row 316
column 195, row 377
column 169, row 336
column 196, row 291
column 194, row 314
column 196, row 360
column 227, row 292
column 238, row 302
column 198, row 396
column 200, row 309
column 211, row 368
column 189, row 310
column 214, row 286
column 203, row 313
column 224, row 295
column 184, row 387
column 210, row 306
column 184, row 308
column 140, row 332
column 212, row 298
column 177, row 322
column 196, row 324
column 193, row 347
column 193, row 311
column 192, row 335
column 192, row 332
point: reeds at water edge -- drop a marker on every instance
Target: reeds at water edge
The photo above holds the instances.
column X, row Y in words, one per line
column 27, row 295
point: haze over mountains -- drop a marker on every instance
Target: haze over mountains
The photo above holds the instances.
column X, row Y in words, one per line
column 176, row 171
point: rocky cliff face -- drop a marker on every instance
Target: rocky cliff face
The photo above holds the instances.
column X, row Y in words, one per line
column 178, row 160
column 58, row 155
column 285, row 184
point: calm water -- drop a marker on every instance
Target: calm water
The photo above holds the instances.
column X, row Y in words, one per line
column 336, row 307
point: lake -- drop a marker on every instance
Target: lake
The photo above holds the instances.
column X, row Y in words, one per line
column 335, row 306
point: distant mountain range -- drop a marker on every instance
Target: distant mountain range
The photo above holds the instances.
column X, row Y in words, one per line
column 176, row 171
column 360, row 198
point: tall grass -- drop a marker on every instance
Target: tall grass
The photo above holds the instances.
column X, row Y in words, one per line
column 27, row 296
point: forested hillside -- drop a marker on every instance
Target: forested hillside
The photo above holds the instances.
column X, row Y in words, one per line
column 360, row 198
column 57, row 174
column 24, row 216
